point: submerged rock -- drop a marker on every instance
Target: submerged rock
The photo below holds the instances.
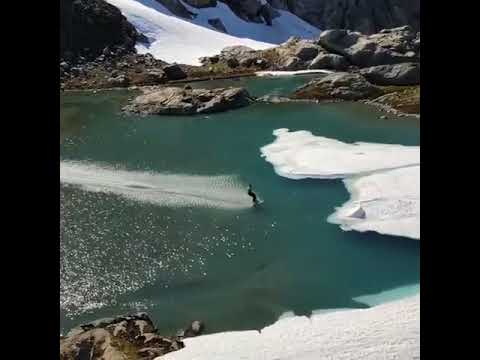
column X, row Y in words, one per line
column 177, row 101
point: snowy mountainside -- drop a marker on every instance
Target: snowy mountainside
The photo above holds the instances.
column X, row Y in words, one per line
column 180, row 40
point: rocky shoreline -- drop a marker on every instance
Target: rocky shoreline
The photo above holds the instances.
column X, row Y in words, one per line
column 380, row 69
column 122, row 337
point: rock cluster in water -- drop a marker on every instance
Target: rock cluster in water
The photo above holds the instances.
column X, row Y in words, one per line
column 342, row 85
column 188, row 101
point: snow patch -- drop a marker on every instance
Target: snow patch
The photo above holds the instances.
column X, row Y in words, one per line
column 174, row 39
column 387, row 331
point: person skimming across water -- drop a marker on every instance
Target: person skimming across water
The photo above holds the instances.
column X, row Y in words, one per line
column 252, row 195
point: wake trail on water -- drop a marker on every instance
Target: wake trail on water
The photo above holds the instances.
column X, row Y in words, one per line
column 173, row 190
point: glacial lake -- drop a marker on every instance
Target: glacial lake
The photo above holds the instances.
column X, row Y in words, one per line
column 155, row 216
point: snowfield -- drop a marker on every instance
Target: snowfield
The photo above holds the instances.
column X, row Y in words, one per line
column 174, row 39
column 387, row 331
column 383, row 179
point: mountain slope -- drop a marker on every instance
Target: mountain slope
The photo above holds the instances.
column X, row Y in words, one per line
column 93, row 24
column 366, row 16
column 180, row 40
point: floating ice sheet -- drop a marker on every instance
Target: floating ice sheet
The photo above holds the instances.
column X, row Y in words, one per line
column 383, row 179
column 389, row 199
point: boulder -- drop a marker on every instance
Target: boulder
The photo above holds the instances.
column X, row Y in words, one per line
column 342, row 85
column 248, row 10
column 400, row 39
column 237, row 51
column 195, row 329
column 402, row 99
column 294, row 54
column 201, row 3
column 291, row 63
column 64, row 65
column 174, row 72
column 307, row 51
column 178, row 101
column 119, row 81
column 177, row 8
column 338, row 41
column 398, row 74
column 218, row 25
column 329, row 61
column 233, row 56
column 268, row 13
column 232, row 62
column 143, row 39
column 373, row 50
column 358, row 213
column 150, row 77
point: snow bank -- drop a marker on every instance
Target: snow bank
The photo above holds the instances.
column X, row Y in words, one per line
column 292, row 73
column 391, row 200
column 383, row 179
column 172, row 190
column 388, row 331
column 184, row 41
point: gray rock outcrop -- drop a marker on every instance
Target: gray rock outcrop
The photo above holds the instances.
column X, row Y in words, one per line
column 393, row 47
column 329, row 61
column 341, row 85
column 398, row 74
column 366, row 16
column 87, row 27
column 178, row 101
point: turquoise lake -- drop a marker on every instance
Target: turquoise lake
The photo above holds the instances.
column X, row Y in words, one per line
column 234, row 267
